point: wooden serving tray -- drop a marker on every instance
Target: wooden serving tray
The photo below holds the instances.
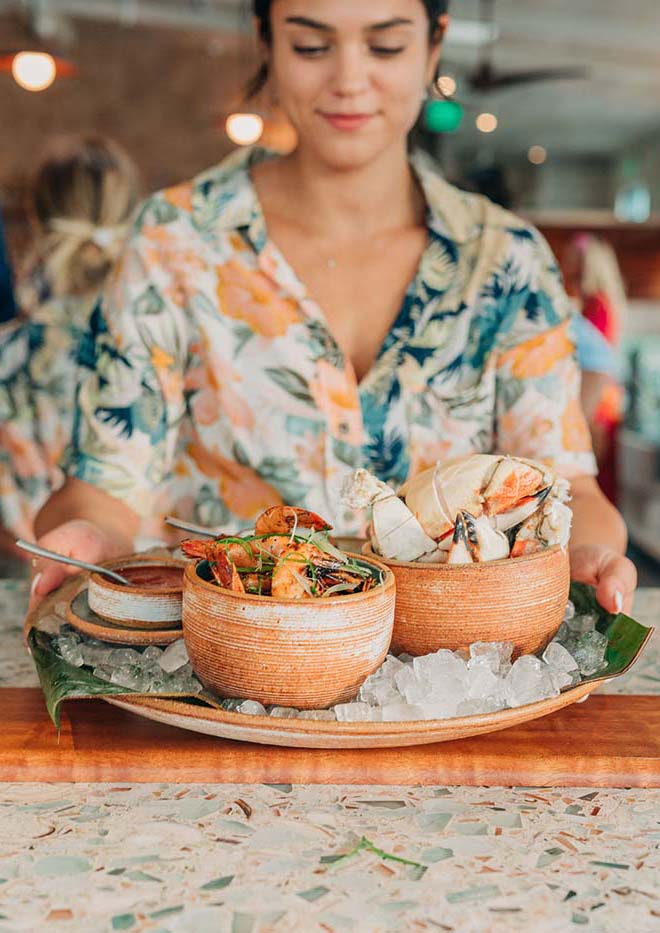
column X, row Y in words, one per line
column 609, row 741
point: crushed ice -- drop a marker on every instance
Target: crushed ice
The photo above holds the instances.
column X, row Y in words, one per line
column 441, row 685
column 151, row 670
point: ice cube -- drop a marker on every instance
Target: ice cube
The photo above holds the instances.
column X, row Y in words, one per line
column 569, row 612
column 70, row 650
column 252, row 708
column 321, row 714
column 103, row 672
column 401, row 712
column 558, row 658
column 283, row 712
column 231, row 705
column 590, row 653
column 152, row 653
column 356, row 712
column 174, row 656
column 580, row 624
column 529, row 681
column 497, row 654
column 484, row 685
column 440, row 665
column 121, row 656
column 411, row 687
column 127, row 675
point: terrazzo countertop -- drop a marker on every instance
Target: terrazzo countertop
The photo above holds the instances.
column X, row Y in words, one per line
column 261, row 858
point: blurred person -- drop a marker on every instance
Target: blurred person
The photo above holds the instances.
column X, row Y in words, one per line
column 81, row 197
column 7, row 302
column 593, row 277
column 279, row 321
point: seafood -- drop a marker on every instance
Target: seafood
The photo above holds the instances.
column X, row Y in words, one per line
column 475, row 508
column 284, row 519
column 304, row 571
column 505, row 487
column 475, row 540
column 395, row 532
column 298, row 564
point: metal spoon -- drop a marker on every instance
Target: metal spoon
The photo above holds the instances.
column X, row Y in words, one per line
column 189, row 526
column 53, row 555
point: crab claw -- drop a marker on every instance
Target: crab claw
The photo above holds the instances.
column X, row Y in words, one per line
column 395, row 532
column 524, row 508
column 461, row 550
column 476, row 540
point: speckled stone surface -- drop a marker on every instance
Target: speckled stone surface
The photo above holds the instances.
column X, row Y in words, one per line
column 252, row 859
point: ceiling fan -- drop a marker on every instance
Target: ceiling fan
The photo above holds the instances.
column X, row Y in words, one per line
column 486, row 77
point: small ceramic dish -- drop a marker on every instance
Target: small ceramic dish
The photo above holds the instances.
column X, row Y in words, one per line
column 304, row 653
column 154, row 597
column 520, row 599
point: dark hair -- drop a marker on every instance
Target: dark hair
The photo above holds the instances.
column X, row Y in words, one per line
column 261, row 8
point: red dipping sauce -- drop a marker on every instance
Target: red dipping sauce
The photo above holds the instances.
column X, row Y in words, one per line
column 154, row 576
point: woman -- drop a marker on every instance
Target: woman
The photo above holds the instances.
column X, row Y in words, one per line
column 80, row 200
column 278, row 322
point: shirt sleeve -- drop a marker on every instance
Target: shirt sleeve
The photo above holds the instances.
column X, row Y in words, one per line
column 538, row 410
column 129, row 397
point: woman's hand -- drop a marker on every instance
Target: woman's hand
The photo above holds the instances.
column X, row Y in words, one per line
column 613, row 576
column 77, row 538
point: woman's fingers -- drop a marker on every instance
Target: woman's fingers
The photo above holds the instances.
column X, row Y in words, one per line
column 613, row 576
column 616, row 585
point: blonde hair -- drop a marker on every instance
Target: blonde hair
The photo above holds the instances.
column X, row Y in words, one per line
column 601, row 273
column 82, row 196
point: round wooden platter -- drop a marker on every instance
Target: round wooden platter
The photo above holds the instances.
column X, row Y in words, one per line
column 296, row 733
column 85, row 620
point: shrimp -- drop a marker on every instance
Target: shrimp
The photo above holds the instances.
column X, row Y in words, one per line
column 284, row 519
column 304, row 571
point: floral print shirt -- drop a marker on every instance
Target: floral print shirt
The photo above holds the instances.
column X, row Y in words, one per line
column 212, row 388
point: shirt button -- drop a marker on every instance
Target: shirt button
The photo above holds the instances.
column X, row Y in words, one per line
column 344, row 427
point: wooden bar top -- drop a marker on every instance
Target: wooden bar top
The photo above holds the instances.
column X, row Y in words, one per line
column 609, row 741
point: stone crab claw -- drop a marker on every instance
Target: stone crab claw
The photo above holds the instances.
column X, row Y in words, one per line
column 475, row 540
column 395, row 532
column 505, row 488
column 549, row 526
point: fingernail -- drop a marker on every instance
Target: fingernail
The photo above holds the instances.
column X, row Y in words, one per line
column 35, row 583
column 618, row 600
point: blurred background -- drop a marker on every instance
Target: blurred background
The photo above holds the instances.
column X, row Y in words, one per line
column 549, row 108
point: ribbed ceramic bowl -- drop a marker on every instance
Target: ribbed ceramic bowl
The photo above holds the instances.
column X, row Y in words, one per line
column 304, row 653
column 145, row 602
column 451, row 606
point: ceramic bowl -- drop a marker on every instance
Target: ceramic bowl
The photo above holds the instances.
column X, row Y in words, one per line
column 154, row 598
column 304, row 653
column 520, row 599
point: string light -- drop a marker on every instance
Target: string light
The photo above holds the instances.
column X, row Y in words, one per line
column 244, row 129
column 537, row 155
column 34, row 71
column 446, row 85
column 486, row 122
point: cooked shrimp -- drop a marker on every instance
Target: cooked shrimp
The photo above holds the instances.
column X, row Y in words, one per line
column 304, row 571
column 284, row 519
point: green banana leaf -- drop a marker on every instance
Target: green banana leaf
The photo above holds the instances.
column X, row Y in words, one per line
column 626, row 637
column 63, row 681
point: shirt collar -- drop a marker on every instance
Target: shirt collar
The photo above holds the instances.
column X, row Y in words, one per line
column 450, row 211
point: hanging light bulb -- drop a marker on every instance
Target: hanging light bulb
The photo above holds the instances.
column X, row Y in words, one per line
column 486, row 122
column 446, row 85
column 34, row 71
column 244, row 129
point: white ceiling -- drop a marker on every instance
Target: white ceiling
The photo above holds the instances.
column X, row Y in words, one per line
column 619, row 42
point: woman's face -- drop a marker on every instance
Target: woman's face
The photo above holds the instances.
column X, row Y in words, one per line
column 351, row 76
